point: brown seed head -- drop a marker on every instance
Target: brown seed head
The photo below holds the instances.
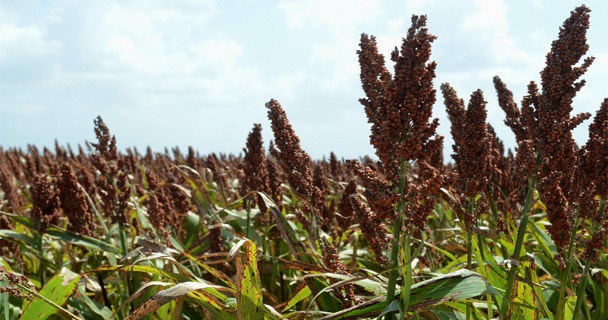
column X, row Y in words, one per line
column 74, row 203
column 45, row 201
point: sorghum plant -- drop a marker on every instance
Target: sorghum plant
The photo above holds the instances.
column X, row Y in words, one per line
column 46, row 204
column 399, row 107
column 296, row 165
column 255, row 174
column 473, row 145
column 112, row 181
column 554, row 131
column 74, row 203
column 544, row 127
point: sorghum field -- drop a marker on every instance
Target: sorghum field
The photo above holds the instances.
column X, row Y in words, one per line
column 96, row 233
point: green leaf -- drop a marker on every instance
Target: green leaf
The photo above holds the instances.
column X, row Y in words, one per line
column 177, row 291
column 4, row 233
column 250, row 304
column 570, row 306
column 141, row 291
column 459, row 285
column 544, row 240
column 145, row 269
column 216, row 273
column 88, row 308
column 57, row 290
column 326, row 301
column 81, row 240
column 191, row 226
column 301, row 293
column 523, row 302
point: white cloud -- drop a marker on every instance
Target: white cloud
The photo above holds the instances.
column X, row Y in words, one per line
column 417, row 5
column 210, row 66
column 491, row 24
column 28, row 41
column 330, row 16
column 334, row 28
column 221, row 53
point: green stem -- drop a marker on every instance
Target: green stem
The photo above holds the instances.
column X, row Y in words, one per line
column 580, row 293
column 407, row 277
column 104, row 293
column 394, row 261
column 470, row 211
column 469, row 246
column 42, row 261
column 123, row 245
column 561, row 302
column 355, row 248
column 506, row 303
column 248, row 223
column 393, row 273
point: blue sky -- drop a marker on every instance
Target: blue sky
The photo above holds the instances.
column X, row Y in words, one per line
column 197, row 73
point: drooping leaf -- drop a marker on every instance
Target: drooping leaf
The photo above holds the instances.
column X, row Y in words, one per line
column 216, row 273
column 326, row 300
column 459, row 285
column 177, row 291
column 5, row 233
column 58, row 290
column 302, row 292
column 81, row 240
column 250, row 304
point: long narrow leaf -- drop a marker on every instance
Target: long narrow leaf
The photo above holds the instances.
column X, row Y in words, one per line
column 168, row 295
column 250, row 304
column 57, row 290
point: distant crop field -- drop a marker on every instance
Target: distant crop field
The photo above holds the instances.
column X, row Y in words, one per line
column 95, row 233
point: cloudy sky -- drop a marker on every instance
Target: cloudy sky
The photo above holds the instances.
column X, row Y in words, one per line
column 180, row 73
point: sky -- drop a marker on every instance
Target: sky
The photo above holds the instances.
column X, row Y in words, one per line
column 198, row 73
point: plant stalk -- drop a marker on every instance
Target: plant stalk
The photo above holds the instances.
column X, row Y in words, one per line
column 580, row 293
column 506, row 303
column 407, row 276
column 42, row 267
column 394, row 261
column 561, row 302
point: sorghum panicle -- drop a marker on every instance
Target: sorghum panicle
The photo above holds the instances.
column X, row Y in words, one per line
column 331, row 259
column 513, row 115
column 255, row 173
column 74, row 203
column 593, row 175
column 45, row 201
column 345, row 209
column 554, row 125
column 13, row 280
column 112, row 181
column 373, row 231
column 399, row 107
column 274, row 176
column 473, row 148
column 294, row 161
column 11, row 193
column 378, row 192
